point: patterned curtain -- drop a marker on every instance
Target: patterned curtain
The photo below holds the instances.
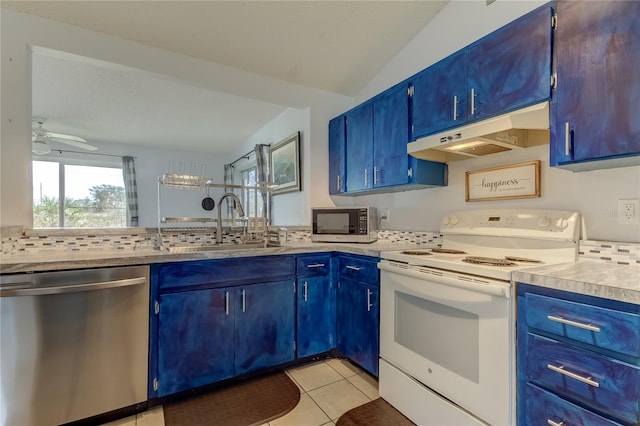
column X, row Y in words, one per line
column 130, row 190
column 262, row 152
column 228, row 179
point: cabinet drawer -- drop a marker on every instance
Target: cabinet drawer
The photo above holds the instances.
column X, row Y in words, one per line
column 313, row 266
column 359, row 269
column 605, row 328
column 223, row 272
column 543, row 408
column 606, row 384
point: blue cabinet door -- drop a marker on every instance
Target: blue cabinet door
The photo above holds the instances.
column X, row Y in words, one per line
column 264, row 325
column 316, row 326
column 597, row 54
column 195, row 340
column 390, row 137
column 358, row 323
column 511, row 67
column 360, row 147
column 337, row 150
column 439, row 99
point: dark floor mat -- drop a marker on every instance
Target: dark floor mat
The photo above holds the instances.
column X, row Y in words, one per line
column 375, row 413
column 254, row 402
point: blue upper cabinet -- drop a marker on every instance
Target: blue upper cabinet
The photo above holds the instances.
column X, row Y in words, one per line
column 597, row 99
column 390, row 136
column 377, row 133
column 440, row 96
column 504, row 71
column 360, row 147
column 511, row 67
column 337, row 151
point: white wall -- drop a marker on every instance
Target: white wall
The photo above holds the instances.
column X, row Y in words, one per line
column 290, row 208
column 595, row 194
column 20, row 32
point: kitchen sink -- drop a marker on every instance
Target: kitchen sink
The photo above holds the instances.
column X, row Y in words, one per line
column 217, row 247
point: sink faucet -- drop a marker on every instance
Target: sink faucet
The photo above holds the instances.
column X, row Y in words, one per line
column 237, row 206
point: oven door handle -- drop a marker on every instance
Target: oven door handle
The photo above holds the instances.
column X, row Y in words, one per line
column 491, row 288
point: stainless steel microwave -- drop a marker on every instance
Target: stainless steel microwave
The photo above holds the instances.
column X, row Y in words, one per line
column 344, row 224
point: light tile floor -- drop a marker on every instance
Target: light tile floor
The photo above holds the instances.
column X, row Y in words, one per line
column 328, row 389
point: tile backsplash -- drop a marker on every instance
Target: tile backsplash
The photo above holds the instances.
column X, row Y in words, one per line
column 610, row 252
column 15, row 241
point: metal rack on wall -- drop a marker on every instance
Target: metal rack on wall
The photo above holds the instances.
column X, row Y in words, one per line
column 254, row 228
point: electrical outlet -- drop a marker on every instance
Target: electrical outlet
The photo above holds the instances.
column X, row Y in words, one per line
column 628, row 211
column 383, row 214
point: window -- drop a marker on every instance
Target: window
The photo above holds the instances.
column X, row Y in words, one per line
column 249, row 201
column 71, row 195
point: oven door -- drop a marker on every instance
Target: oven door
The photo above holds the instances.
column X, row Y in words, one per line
column 451, row 332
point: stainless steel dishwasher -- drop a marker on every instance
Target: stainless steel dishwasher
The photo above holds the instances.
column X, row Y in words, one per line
column 74, row 344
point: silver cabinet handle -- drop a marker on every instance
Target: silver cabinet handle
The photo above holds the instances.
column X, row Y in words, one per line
column 574, row 323
column 355, row 268
column 552, row 423
column 567, row 139
column 338, row 182
column 304, row 292
column 28, row 289
column 375, row 175
column 455, row 107
column 226, row 302
column 369, row 305
column 315, row 265
column 473, row 101
column 366, row 178
column 575, row 376
column 244, row 301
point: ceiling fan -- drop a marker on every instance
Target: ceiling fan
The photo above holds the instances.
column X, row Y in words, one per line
column 40, row 136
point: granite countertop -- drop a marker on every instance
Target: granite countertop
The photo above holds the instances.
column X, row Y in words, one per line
column 593, row 278
column 590, row 277
column 80, row 260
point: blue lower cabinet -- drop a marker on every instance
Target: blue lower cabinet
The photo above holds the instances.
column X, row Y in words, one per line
column 602, row 383
column 264, row 325
column 358, row 322
column 577, row 359
column 195, row 340
column 316, row 317
column 547, row 407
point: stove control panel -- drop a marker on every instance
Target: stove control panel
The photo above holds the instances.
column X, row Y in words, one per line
column 546, row 224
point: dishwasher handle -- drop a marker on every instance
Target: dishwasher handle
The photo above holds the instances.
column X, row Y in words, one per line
column 28, row 289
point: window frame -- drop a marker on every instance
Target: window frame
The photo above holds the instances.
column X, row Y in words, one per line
column 250, row 196
column 115, row 163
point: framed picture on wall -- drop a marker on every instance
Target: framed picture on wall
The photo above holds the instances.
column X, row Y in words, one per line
column 509, row 182
column 285, row 165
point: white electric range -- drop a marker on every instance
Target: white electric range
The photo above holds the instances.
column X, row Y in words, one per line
column 447, row 335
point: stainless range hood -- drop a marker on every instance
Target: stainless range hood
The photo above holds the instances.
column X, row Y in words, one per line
column 515, row 130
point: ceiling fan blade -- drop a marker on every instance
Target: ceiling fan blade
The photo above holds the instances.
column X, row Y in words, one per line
column 68, row 137
column 76, row 144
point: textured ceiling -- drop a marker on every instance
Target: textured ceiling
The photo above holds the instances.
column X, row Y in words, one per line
column 336, row 46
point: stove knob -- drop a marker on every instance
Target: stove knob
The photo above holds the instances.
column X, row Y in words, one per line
column 455, row 220
column 544, row 221
column 563, row 223
column 445, row 220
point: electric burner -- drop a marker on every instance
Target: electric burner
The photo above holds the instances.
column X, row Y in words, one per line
column 522, row 259
column 491, row 261
column 447, row 251
column 417, row 252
